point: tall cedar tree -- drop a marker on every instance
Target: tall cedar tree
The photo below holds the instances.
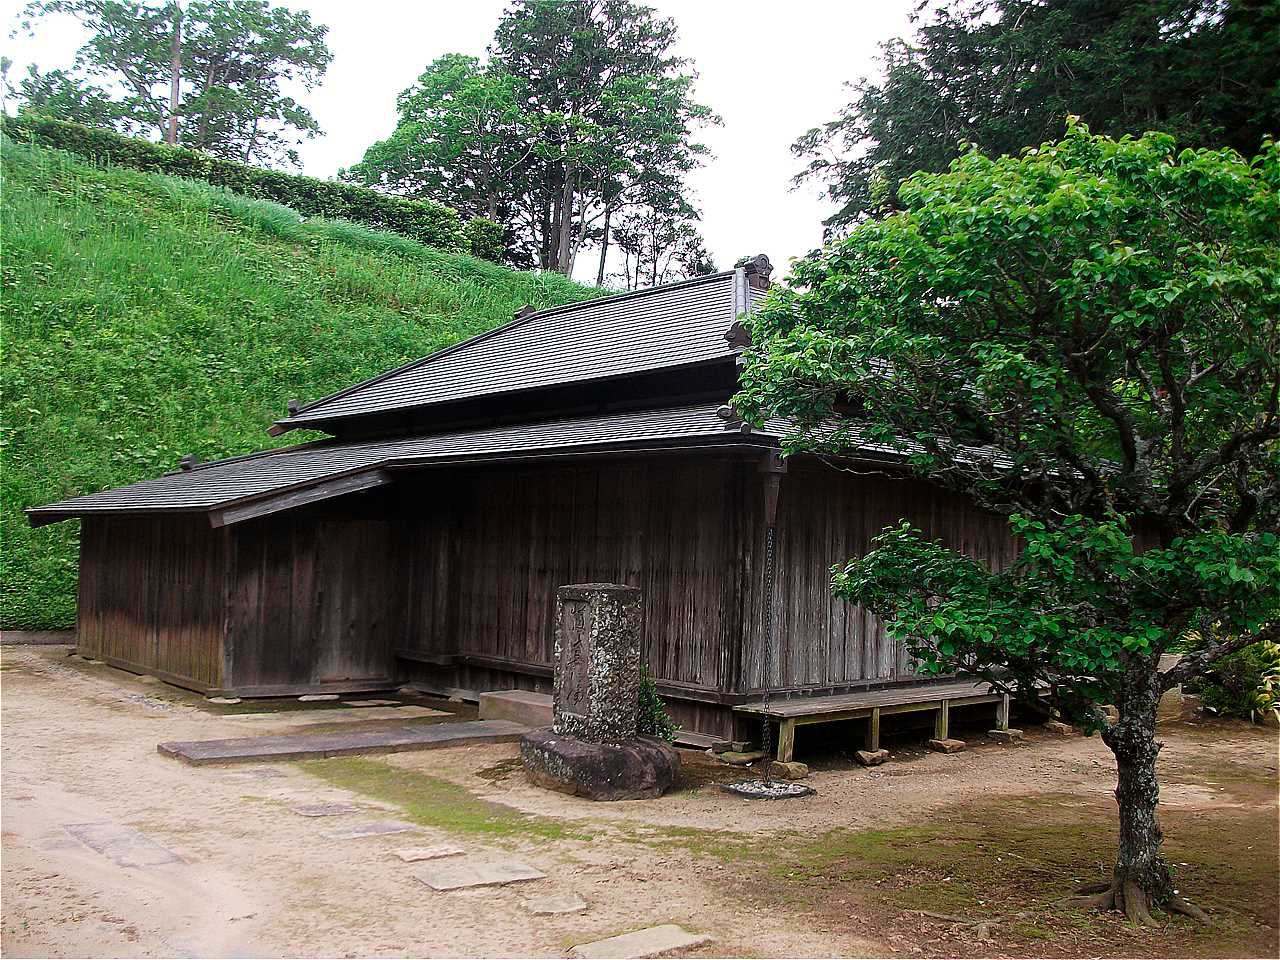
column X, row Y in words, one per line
column 231, row 59
column 1004, row 74
column 1086, row 339
column 579, row 112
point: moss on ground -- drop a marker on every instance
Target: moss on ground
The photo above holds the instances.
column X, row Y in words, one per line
column 437, row 803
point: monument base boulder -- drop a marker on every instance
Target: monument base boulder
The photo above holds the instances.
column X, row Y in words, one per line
column 638, row 769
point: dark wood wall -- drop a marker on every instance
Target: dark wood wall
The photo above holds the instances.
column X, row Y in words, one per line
column 153, row 596
column 486, row 548
column 312, row 599
column 826, row 516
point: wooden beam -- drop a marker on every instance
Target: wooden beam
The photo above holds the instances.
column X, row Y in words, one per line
column 1002, row 713
column 292, row 499
column 786, row 740
column 942, row 723
column 873, row 730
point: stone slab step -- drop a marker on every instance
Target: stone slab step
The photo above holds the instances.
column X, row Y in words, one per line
column 341, row 714
column 458, row 874
column 304, row 746
column 522, row 706
column 649, row 942
column 703, row 741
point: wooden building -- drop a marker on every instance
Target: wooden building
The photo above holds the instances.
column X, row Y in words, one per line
column 423, row 542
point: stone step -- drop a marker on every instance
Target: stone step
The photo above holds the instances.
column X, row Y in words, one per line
column 522, row 706
column 649, row 942
column 303, row 746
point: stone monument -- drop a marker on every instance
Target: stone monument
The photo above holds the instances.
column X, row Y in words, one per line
column 593, row 748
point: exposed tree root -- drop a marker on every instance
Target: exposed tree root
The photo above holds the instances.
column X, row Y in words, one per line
column 1128, row 898
column 1188, row 909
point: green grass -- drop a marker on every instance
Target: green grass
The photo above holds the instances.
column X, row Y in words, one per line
column 438, row 803
column 146, row 317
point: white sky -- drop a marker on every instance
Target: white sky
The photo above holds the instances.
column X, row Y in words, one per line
column 771, row 69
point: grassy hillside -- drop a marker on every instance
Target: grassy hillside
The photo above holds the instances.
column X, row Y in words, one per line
column 146, row 317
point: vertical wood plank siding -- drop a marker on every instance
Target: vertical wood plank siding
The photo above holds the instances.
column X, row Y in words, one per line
column 826, row 516
column 489, row 547
column 462, row 564
column 312, row 598
column 152, row 595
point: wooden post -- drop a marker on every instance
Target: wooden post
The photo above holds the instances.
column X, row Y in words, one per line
column 873, row 730
column 786, row 740
column 1002, row 713
column 942, row 723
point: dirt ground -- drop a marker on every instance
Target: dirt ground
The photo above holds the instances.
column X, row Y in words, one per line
column 996, row 832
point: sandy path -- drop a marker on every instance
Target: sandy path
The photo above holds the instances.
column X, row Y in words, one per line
column 255, row 878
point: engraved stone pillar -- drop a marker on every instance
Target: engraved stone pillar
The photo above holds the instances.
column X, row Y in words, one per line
column 597, row 662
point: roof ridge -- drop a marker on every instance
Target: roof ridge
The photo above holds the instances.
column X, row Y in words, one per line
column 283, row 424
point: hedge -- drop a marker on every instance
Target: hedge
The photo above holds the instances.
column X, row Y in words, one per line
column 430, row 223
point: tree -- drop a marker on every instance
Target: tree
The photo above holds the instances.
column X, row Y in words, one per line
column 579, row 105
column 1002, row 74
column 659, row 242
column 1086, row 339
column 462, row 138
column 208, row 77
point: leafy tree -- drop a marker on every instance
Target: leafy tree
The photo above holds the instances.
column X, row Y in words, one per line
column 579, row 107
column 1003, row 74
column 1086, row 339
column 660, row 243
column 229, row 57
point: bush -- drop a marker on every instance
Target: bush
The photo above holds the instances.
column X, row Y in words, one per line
column 654, row 719
column 486, row 239
column 429, row 223
column 1245, row 684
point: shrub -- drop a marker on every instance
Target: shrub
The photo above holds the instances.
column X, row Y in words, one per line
column 430, row 223
column 654, row 719
column 1245, row 684
column 486, row 239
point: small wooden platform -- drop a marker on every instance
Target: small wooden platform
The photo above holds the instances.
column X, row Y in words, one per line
column 872, row 705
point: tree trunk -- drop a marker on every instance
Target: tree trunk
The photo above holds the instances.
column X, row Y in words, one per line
column 604, row 245
column 1141, row 879
column 175, row 75
column 564, row 263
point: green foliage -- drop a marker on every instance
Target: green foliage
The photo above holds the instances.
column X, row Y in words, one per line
column 147, row 317
column 233, row 58
column 580, row 110
column 429, row 223
column 485, row 238
column 1004, row 74
column 1245, row 684
column 653, row 719
column 1084, row 338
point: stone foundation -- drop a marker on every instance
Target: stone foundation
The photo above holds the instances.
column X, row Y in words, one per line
column 638, row 769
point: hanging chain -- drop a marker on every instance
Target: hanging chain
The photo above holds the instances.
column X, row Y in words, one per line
column 766, row 737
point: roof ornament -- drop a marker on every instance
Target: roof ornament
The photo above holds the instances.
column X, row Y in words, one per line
column 738, row 336
column 757, row 270
column 293, row 406
column 732, row 418
column 189, row 462
column 524, row 311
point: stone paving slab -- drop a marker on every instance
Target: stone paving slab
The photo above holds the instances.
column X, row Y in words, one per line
column 649, row 942
column 325, row 809
column 373, row 828
column 462, row 874
column 312, row 697
column 301, row 746
column 554, row 904
column 337, row 715
column 371, row 703
column 123, row 845
column 416, row 854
